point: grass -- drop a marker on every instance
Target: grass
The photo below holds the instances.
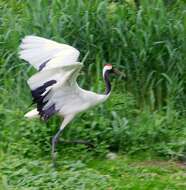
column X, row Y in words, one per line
column 150, row 50
column 25, row 161
column 77, row 171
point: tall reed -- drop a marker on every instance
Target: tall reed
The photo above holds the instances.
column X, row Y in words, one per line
column 147, row 42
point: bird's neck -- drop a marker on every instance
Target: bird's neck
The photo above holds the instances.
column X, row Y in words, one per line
column 107, row 82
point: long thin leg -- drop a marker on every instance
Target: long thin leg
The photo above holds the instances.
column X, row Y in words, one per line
column 54, row 143
column 55, row 139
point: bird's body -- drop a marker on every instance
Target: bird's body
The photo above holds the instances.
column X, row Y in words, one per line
column 54, row 87
column 72, row 107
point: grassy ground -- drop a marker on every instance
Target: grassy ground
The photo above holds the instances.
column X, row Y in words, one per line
column 78, row 170
column 25, row 161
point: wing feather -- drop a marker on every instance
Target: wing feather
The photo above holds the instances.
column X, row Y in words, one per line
column 37, row 50
column 58, row 69
column 46, row 84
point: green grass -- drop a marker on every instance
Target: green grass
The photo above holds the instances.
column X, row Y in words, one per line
column 79, row 171
column 25, row 161
column 150, row 50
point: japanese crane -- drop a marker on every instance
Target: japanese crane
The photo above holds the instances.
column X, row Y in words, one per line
column 54, row 88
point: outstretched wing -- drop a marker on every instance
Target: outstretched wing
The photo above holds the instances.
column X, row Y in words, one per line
column 46, row 54
column 58, row 70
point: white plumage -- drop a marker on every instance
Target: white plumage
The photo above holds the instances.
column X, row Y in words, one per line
column 54, row 87
column 32, row 114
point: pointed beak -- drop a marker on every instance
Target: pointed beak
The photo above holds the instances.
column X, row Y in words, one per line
column 119, row 73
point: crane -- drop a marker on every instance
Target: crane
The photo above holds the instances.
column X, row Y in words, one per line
column 54, row 88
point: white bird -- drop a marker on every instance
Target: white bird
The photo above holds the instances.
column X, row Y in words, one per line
column 54, row 87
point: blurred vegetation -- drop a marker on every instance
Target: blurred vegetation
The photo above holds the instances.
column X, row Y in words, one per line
column 144, row 115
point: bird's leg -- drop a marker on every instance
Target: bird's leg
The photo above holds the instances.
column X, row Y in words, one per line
column 55, row 139
column 54, row 143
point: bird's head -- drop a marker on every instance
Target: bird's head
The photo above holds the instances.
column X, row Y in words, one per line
column 108, row 69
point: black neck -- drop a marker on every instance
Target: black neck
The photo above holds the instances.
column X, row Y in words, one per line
column 107, row 82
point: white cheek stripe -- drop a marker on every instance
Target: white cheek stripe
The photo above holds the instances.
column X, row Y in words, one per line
column 106, row 67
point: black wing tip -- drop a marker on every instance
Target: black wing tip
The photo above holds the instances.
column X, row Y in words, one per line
column 40, row 100
column 47, row 113
column 43, row 65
